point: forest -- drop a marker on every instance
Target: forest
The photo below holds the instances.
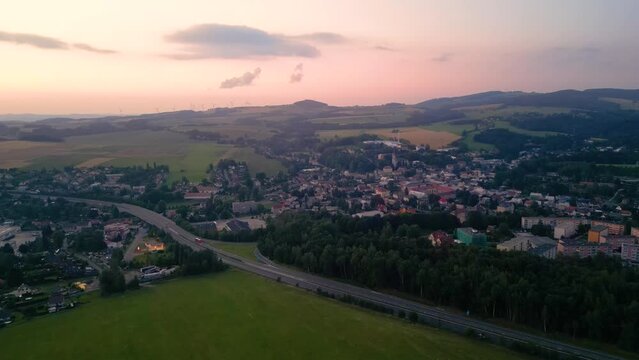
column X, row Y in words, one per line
column 593, row 298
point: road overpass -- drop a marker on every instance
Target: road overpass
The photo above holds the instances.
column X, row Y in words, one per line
column 429, row 314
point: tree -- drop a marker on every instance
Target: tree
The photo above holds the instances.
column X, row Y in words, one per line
column 111, row 281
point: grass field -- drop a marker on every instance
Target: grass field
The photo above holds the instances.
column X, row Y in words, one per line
column 185, row 157
column 416, row 135
column 245, row 250
column 233, row 315
column 486, row 111
column 363, row 119
column 624, row 103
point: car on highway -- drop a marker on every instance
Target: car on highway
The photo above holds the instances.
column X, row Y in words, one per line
column 198, row 240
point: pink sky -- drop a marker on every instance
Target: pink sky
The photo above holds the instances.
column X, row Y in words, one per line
column 111, row 56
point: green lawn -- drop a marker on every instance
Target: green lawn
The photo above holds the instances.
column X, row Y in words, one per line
column 245, row 250
column 233, row 315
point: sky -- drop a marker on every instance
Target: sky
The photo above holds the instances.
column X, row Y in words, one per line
column 117, row 56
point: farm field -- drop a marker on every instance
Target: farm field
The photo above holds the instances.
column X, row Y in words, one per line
column 486, row 111
column 415, row 135
column 231, row 315
column 185, row 157
column 362, row 119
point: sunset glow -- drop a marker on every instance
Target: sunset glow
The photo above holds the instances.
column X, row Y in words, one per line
column 107, row 56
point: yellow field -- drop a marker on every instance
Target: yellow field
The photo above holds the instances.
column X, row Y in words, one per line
column 415, row 135
column 94, row 162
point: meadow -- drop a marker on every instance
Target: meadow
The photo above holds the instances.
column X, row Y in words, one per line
column 231, row 315
column 415, row 135
column 185, row 157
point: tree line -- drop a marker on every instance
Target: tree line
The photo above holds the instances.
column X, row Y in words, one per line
column 594, row 298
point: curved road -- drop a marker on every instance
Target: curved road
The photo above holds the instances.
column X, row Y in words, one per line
column 428, row 314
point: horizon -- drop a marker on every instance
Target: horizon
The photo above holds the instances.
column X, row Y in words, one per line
column 98, row 115
column 200, row 55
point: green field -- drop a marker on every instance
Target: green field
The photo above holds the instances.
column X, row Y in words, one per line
column 233, row 315
column 245, row 250
column 185, row 157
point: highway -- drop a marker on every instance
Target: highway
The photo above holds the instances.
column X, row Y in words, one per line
column 431, row 315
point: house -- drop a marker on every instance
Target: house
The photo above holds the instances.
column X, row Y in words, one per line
column 505, row 207
column 24, row 291
column 56, row 302
column 244, row 207
column 538, row 245
column 597, row 233
column 235, row 225
column 470, row 236
column 440, row 238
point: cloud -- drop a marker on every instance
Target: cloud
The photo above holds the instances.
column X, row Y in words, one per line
column 230, row 41
column 90, row 48
column 445, row 57
column 383, row 48
column 244, row 80
column 45, row 42
column 38, row 41
column 298, row 73
column 323, row 37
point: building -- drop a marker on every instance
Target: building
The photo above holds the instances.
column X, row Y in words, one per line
column 527, row 222
column 505, row 207
column 613, row 228
column 8, row 232
column 565, row 230
column 582, row 249
column 616, row 242
column 56, row 302
column 205, row 226
column 116, row 231
column 235, row 225
column 527, row 242
column 244, row 207
column 634, row 231
column 365, row 214
column 470, row 236
column 197, row 196
column 597, row 234
column 440, row 238
column 630, row 252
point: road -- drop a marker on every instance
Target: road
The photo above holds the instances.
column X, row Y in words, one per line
column 432, row 315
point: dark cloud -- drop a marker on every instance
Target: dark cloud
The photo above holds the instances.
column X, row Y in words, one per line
column 244, row 80
column 445, row 57
column 229, row 41
column 45, row 42
column 323, row 37
column 90, row 48
column 298, row 73
column 38, row 41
